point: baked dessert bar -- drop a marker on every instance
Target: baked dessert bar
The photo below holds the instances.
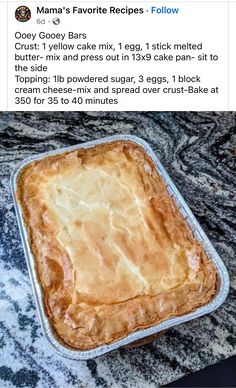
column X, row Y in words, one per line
column 113, row 252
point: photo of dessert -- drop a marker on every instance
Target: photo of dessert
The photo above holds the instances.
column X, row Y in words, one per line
column 116, row 246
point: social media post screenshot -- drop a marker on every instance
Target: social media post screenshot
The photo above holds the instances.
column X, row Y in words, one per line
column 117, row 193
column 119, row 56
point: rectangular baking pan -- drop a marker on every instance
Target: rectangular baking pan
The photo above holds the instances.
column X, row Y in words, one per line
column 59, row 346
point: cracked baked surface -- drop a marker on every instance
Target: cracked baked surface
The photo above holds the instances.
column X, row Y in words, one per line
column 113, row 252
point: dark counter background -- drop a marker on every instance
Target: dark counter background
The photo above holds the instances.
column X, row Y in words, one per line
column 198, row 151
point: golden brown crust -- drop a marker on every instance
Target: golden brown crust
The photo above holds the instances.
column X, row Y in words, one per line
column 113, row 252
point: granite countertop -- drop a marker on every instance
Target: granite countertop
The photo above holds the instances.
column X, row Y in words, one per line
column 197, row 149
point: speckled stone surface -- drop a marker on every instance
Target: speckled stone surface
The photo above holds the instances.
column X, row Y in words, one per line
column 198, row 151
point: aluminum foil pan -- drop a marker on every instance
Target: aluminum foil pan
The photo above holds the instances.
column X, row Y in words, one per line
column 53, row 339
